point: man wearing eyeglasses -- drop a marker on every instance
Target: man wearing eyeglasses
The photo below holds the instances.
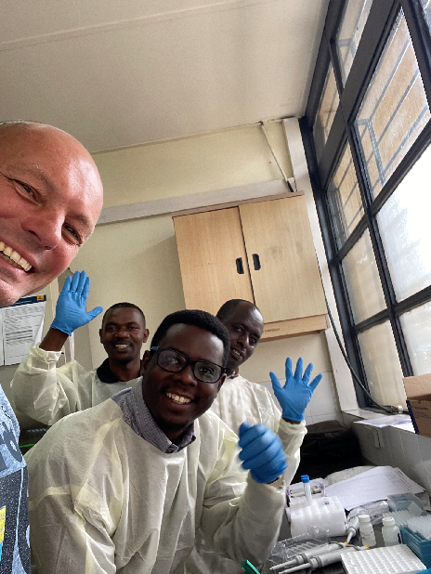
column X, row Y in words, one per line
column 125, row 486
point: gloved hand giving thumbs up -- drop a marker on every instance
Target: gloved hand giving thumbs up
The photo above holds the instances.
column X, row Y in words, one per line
column 262, row 452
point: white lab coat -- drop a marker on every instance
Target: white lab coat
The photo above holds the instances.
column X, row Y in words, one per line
column 47, row 393
column 239, row 400
column 104, row 500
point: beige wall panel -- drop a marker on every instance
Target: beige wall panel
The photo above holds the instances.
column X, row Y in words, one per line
column 208, row 162
column 208, row 247
column 288, row 285
column 271, row 356
column 137, row 262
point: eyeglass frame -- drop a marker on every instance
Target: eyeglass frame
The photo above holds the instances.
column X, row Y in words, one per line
column 189, row 361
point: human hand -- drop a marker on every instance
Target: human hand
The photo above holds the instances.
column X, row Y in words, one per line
column 262, row 452
column 296, row 393
column 70, row 310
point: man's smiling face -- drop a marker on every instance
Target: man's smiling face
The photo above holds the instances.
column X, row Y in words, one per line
column 245, row 327
column 122, row 334
column 176, row 399
column 50, row 199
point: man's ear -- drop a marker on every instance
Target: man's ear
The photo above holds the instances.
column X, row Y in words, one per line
column 144, row 363
column 100, row 335
column 146, row 335
column 221, row 381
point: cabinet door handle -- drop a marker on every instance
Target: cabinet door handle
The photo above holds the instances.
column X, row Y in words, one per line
column 256, row 262
column 239, row 266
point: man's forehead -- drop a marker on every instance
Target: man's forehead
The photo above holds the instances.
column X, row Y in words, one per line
column 123, row 315
column 245, row 311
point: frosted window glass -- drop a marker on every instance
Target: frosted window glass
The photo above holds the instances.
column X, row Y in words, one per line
column 404, row 223
column 350, row 32
column 394, row 110
column 416, row 326
column 426, row 4
column 326, row 113
column 382, row 366
column 363, row 281
column 345, row 198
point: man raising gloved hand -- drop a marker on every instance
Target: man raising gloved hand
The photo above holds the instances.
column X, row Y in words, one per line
column 47, row 393
column 70, row 310
column 296, row 393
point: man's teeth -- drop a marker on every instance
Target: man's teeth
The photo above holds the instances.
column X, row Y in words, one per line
column 178, row 399
column 236, row 353
column 13, row 257
column 121, row 346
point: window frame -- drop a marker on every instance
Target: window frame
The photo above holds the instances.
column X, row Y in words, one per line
column 378, row 27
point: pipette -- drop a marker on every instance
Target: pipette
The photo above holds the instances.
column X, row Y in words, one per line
column 321, row 560
column 305, row 555
column 352, row 528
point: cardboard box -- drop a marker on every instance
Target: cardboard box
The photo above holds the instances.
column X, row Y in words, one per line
column 418, row 391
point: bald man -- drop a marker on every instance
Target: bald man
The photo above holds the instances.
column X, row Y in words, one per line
column 50, row 198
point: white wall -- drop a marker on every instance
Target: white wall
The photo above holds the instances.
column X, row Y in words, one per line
column 137, row 260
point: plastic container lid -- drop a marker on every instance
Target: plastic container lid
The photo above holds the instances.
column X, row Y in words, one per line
column 388, row 521
column 364, row 518
column 305, row 478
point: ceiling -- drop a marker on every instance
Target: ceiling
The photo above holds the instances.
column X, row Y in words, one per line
column 120, row 73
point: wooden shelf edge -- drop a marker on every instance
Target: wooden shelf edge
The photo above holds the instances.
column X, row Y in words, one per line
column 294, row 327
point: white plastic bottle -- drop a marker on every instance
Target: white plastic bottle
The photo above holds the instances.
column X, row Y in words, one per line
column 390, row 531
column 367, row 531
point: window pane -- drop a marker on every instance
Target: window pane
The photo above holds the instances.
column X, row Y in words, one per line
column 394, row 110
column 350, row 33
column 345, row 198
column 416, row 326
column 404, row 223
column 326, row 113
column 426, row 4
column 382, row 367
column 363, row 282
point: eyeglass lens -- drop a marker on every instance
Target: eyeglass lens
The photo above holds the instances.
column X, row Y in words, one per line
column 175, row 362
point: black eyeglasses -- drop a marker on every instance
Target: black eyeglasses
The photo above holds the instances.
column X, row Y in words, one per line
column 174, row 362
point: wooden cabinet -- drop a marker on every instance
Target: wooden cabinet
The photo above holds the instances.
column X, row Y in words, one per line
column 262, row 252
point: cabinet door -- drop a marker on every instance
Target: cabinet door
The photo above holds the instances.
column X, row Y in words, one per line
column 211, row 251
column 278, row 237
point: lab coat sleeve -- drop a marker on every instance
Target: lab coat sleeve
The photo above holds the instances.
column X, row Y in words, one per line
column 245, row 526
column 291, row 436
column 72, row 520
column 47, row 393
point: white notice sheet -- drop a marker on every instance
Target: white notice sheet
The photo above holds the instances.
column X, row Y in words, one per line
column 371, row 486
column 22, row 329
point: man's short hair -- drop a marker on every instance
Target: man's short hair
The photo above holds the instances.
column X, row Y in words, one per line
column 127, row 305
column 227, row 308
column 197, row 318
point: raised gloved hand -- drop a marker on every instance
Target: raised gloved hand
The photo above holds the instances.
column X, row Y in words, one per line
column 296, row 393
column 70, row 310
column 262, row 452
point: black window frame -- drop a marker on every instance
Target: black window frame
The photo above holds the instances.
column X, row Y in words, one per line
column 378, row 27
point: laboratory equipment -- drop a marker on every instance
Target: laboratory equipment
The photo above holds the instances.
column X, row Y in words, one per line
column 352, row 528
column 390, row 531
column 320, row 560
column 367, row 531
column 390, row 560
column 325, row 514
column 306, row 482
column 304, row 556
column 249, row 568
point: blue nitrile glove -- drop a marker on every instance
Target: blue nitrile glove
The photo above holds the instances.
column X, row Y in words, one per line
column 262, row 452
column 296, row 393
column 70, row 310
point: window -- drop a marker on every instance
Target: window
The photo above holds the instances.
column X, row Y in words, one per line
column 372, row 184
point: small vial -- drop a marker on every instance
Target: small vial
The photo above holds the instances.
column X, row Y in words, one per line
column 390, row 531
column 306, row 482
column 367, row 531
